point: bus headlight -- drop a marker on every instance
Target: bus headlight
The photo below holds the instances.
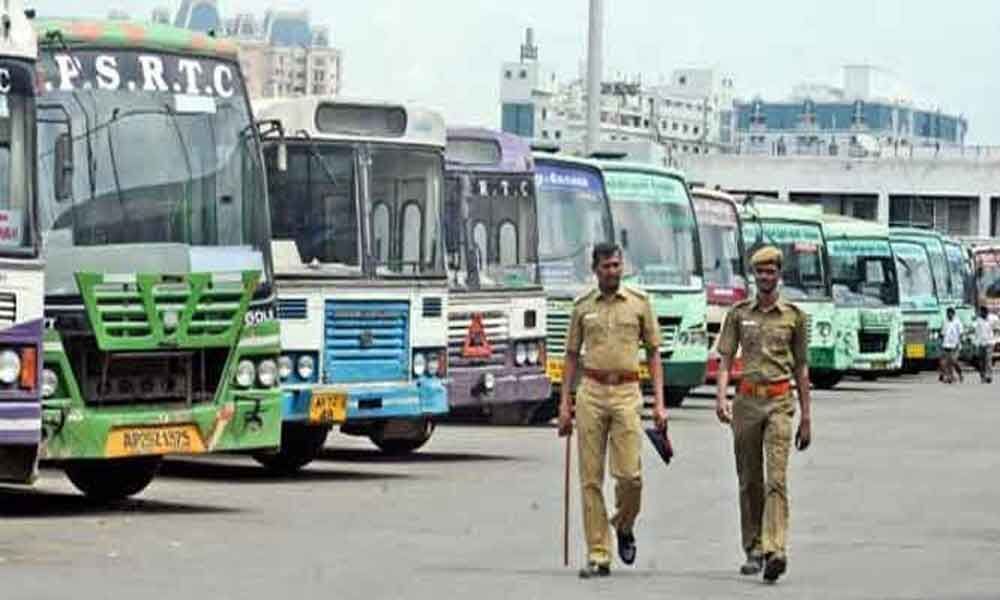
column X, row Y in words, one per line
column 534, row 353
column 267, row 373
column 306, row 367
column 245, row 373
column 419, row 364
column 49, row 383
column 434, row 365
column 10, row 367
column 520, row 354
column 825, row 329
column 285, row 367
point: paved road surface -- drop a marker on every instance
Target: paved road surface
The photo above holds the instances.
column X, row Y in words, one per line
column 898, row 498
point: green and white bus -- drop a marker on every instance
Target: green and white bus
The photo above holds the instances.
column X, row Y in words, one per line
column 923, row 330
column 962, row 291
column 865, row 293
column 798, row 231
column 655, row 223
column 161, row 337
column 918, row 299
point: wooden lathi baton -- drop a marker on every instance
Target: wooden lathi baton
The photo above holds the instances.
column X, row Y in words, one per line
column 566, row 504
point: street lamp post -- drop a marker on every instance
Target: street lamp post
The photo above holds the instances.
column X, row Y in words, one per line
column 595, row 42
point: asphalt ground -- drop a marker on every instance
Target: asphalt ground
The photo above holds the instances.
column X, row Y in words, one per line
column 897, row 498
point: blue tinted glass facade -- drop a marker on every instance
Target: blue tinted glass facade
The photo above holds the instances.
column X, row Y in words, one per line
column 519, row 119
column 204, row 18
column 877, row 117
column 291, row 32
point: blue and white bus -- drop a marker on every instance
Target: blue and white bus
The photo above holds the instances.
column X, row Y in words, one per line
column 357, row 195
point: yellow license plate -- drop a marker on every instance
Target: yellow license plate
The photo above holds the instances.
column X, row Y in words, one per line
column 915, row 351
column 160, row 439
column 328, row 407
column 554, row 369
column 644, row 372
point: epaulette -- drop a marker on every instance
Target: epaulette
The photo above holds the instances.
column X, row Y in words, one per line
column 745, row 303
column 584, row 296
column 641, row 294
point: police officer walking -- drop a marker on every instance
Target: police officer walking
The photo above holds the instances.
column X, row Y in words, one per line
column 609, row 324
column 773, row 336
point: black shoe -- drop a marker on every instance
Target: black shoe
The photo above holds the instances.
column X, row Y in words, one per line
column 626, row 547
column 775, row 568
column 753, row 565
column 595, row 570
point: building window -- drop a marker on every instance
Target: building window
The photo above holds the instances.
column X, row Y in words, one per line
column 545, row 114
column 684, row 149
column 695, row 130
column 685, row 128
column 508, row 74
column 674, row 126
column 545, row 134
column 645, row 122
column 524, row 74
column 558, row 135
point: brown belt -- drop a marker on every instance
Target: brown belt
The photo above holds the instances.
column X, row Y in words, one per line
column 765, row 390
column 611, row 377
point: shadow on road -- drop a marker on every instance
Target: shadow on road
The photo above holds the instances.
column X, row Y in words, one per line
column 251, row 472
column 376, row 456
column 17, row 503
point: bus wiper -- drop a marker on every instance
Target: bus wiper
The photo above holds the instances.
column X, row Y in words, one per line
column 56, row 35
column 319, row 157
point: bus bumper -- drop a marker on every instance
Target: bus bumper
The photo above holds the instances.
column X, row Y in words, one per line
column 484, row 387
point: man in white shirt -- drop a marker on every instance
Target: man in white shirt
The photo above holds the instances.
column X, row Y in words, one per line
column 951, row 341
column 984, row 345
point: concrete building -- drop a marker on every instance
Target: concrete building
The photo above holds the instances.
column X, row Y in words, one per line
column 869, row 115
column 692, row 113
column 282, row 54
column 954, row 194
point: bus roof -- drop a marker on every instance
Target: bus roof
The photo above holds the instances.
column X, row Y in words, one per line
column 20, row 41
column 782, row 211
column 710, row 194
column 515, row 151
column 422, row 127
column 91, row 33
column 634, row 167
column 565, row 160
column 914, row 232
column 840, row 226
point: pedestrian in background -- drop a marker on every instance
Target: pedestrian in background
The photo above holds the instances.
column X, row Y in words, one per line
column 951, row 342
column 984, row 345
column 774, row 338
column 607, row 327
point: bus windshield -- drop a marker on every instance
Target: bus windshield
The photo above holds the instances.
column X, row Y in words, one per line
column 572, row 218
column 658, row 230
column 916, row 281
column 961, row 283
column 988, row 273
column 939, row 266
column 17, row 160
column 499, row 230
column 863, row 273
column 407, row 191
column 165, row 153
column 718, row 228
column 314, row 205
column 803, row 274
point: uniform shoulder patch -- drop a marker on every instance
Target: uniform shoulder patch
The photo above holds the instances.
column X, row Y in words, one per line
column 584, row 296
column 635, row 292
column 743, row 303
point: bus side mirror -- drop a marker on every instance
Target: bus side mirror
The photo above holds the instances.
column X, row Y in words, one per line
column 63, row 171
column 624, row 238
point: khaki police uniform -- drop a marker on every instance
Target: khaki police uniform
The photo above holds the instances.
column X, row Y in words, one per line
column 609, row 331
column 774, row 342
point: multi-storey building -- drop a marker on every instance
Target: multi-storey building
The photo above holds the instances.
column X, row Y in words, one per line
column 283, row 54
column 690, row 114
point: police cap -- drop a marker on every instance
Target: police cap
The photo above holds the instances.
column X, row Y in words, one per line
column 767, row 254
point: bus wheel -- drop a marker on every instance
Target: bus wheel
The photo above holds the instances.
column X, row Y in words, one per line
column 395, row 443
column 869, row 377
column 113, row 479
column 544, row 411
column 674, row 396
column 515, row 414
column 825, row 380
column 300, row 445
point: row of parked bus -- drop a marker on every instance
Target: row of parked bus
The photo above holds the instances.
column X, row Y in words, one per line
column 184, row 271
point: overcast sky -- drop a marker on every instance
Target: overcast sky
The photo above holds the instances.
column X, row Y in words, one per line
column 447, row 53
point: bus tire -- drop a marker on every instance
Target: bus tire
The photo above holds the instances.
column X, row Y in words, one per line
column 869, row 377
column 401, row 446
column 674, row 396
column 825, row 380
column 508, row 415
column 113, row 479
column 300, row 445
